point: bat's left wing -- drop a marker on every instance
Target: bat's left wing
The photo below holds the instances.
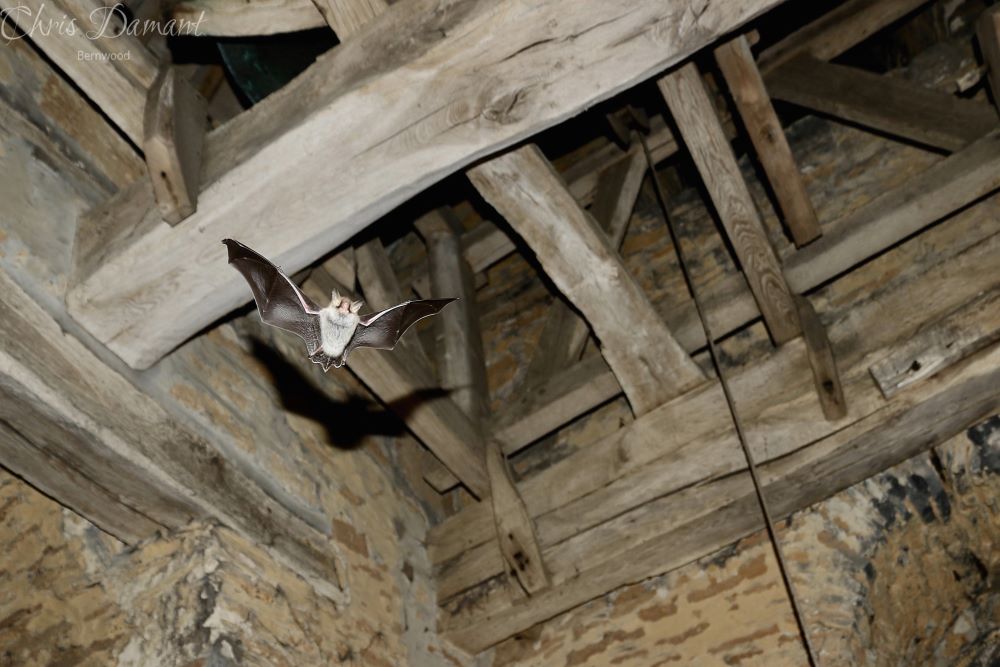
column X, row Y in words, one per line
column 382, row 330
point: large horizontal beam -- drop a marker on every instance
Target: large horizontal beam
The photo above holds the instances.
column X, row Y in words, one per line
column 356, row 135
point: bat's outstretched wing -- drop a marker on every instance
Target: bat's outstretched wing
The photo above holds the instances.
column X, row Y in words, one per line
column 280, row 302
column 382, row 330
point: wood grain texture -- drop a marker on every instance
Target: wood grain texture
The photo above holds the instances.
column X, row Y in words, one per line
column 988, row 36
column 646, row 358
column 707, row 517
column 346, row 17
column 754, row 104
column 115, row 84
column 463, row 79
column 696, row 119
column 408, row 388
column 936, row 347
column 836, row 31
column 822, row 362
column 940, row 190
column 565, row 333
column 235, row 18
column 173, row 132
column 889, row 104
column 514, row 529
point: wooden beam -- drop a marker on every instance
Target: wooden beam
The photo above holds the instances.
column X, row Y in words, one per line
column 938, row 346
column 346, row 17
column 64, row 407
column 821, row 360
column 514, row 529
column 275, row 176
column 768, row 138
column 237, row 18
column 704, row 518
column 696, row 119
column 889, row 104
column 836, row 31
column 173, row 132
column 689, row 440
column 988, row 35
column 461, row 360
column 409, row 389
column 939, row 191
column 647, row 360
column 564, row 333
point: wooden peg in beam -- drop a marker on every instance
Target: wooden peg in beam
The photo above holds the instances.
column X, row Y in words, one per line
column 988, row 34
column 346, row 17
column 515, row 531
column 173, row 134
column 824, row 366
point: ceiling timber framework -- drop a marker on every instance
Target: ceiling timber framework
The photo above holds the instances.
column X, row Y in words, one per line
column 848, row 294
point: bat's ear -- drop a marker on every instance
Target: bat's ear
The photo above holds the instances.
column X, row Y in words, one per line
column 356, row 306
column 335, row 297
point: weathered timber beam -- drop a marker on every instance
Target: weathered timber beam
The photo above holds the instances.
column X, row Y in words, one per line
column 768, row 138
column 937, row 346
column 346, row 17
column 235, row 18
column 646, row 358
column 317, row 161
column 892, row 105
column 826, row 377
column 690, row 439
column 409, row 388
column 837, row 31
column 173, row 133
column 685, row 94
column 988, row 35
column 91, row 424
column 704, row 518
column 940, row 190
column 99, row 67
column 564, row 333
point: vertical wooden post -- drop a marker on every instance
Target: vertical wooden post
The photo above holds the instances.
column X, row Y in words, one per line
column 988, row 34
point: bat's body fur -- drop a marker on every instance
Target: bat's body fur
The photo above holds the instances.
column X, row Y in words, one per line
column 337, row 323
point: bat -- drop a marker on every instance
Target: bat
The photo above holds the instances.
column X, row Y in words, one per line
column 330, row 333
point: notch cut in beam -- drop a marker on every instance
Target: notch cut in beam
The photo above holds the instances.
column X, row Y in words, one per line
column 645, row 357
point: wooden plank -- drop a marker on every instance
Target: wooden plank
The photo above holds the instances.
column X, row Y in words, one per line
column 71, row 407
column 564, row 333
column 346, row 17
column 768, row 138
column 895, row 106
column 173, row 132
column 694, row 113
column 236, row 18
column 116, row 85
column 821, row 360
column 408, row 388
column 988, row 35
column 515, row 532
column 940, row 190
column 689, row 440
column 274, row 176
column 647, row 360
column 938, row 346
column 707, row 517
column 461, row 360
column 836, row 31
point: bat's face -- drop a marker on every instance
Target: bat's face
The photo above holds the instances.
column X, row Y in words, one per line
column 343, row 304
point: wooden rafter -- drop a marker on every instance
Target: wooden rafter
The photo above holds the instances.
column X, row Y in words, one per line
column 754, row 104
column 346, row 17
column 235, row 18
column 988, row 35
column 888, row 104
column 646, row 358
column 289, row 158
column 696, row 119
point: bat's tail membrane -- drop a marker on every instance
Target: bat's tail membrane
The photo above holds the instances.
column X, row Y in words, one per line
column 326, row 361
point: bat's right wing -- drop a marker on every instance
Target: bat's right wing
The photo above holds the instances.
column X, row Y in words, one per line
column 381, row 330
column 280, row 302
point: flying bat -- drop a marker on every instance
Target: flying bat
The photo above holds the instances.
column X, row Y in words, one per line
column 329, row 333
